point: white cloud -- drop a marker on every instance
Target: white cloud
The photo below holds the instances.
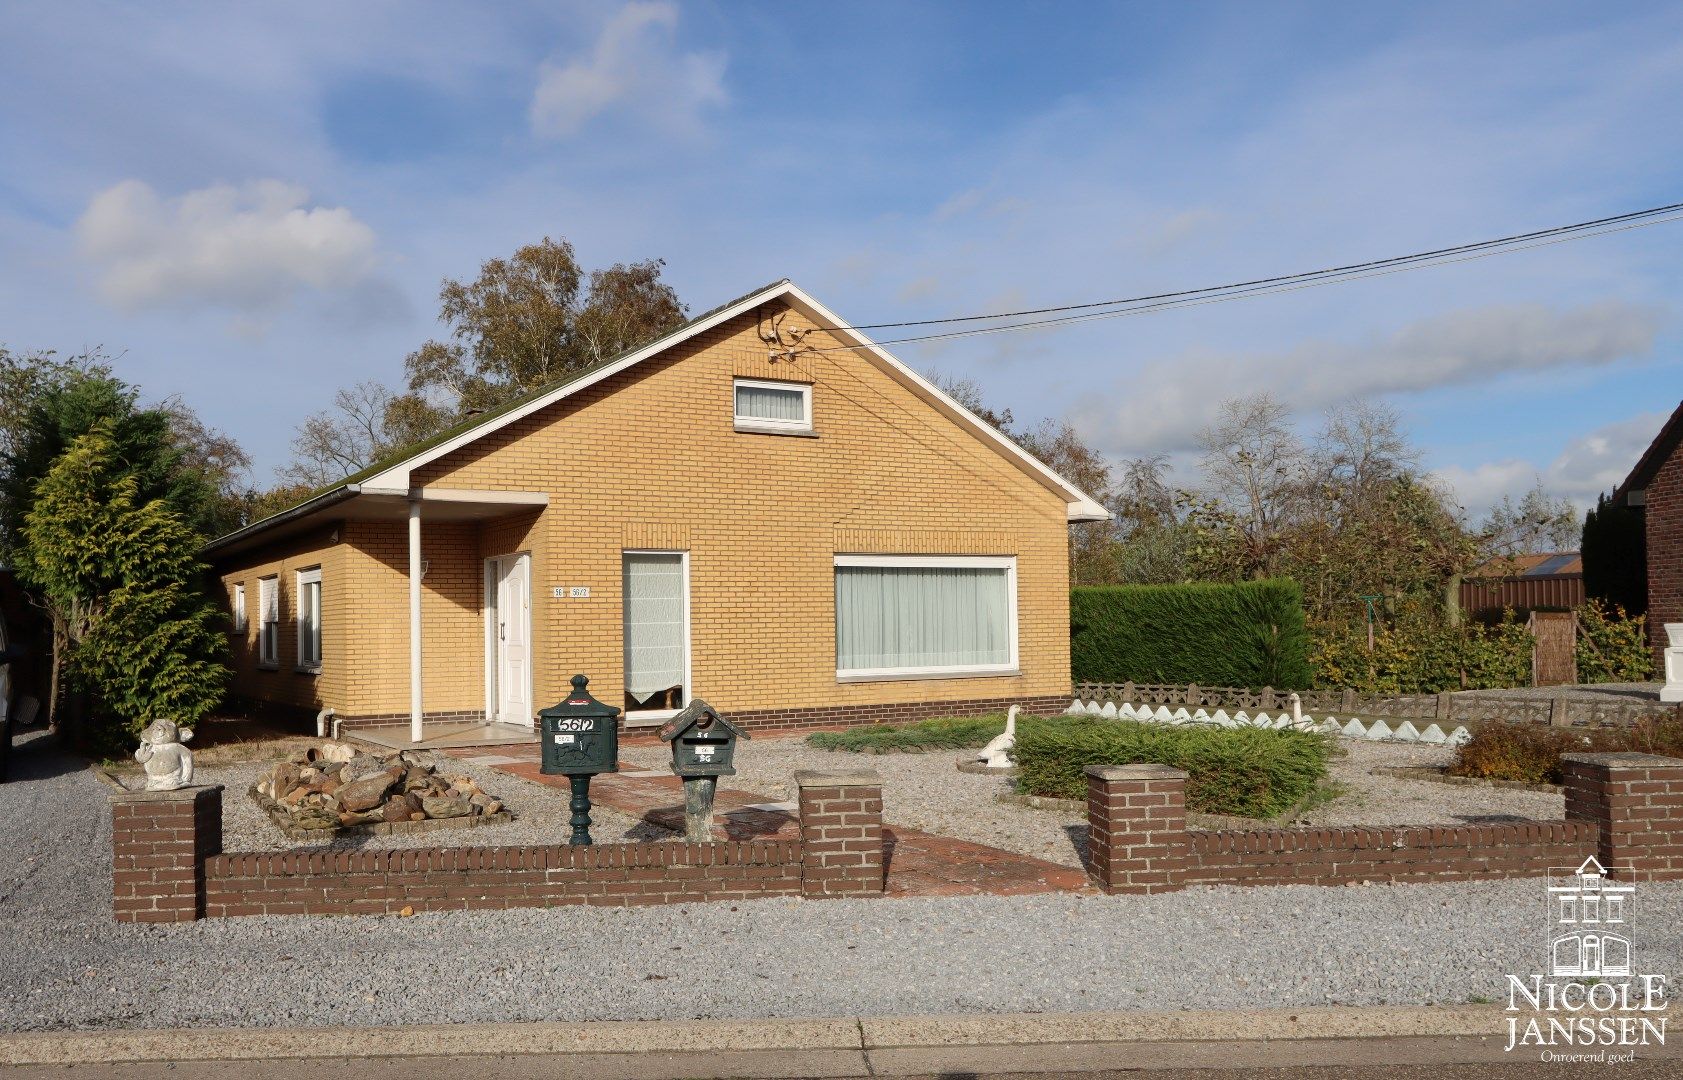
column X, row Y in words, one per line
column 636, row 68
column 1165, row 406
column 249, row 248
column 1590, row 464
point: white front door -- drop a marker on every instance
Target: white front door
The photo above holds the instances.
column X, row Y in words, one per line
column 511, row 632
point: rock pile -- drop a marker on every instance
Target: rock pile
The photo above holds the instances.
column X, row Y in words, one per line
column 335, row 786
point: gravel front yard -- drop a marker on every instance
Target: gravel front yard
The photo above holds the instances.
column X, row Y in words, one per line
column 926, row 791
column 68, row 965
column 540, row 815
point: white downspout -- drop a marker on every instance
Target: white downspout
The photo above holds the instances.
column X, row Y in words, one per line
column 415, row 733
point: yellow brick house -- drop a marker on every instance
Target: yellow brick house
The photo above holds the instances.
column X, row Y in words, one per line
column 762, row 508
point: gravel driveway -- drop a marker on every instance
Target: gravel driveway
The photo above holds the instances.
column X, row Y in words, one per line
column 68, row 965
column 926, row 791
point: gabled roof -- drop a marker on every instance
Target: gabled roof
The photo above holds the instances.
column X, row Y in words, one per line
column 1658, row 453
column 393, row 474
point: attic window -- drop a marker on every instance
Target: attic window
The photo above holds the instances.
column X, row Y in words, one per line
column 774, row 407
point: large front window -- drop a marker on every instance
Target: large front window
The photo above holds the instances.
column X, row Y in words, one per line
column 922, row 616
column 657, row 647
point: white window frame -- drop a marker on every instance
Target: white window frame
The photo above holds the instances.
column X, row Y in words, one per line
column 268, row 633
column 1008, row 563
column 306, row 662
column 651, row 717
column 239, row 616
column 773, row 427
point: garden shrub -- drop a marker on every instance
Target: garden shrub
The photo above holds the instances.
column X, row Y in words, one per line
column 944, row 733
column 1417, row 651
column 1246, row 634
column 1531, row 754
column 1527, row 755
column 1247, row 772
column 1612, row 647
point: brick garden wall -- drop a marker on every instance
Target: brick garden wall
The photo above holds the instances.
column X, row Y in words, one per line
column 1625, row 809
column 469, row 879
column 169, row 865
column 1339, row 856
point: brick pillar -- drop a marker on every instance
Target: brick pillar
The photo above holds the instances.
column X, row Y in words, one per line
column 841, row 833
column 159, row 843
column 1136, row 827
column 1637, row 800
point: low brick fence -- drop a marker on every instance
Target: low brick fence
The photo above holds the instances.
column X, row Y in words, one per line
column 168, row 864
column 1625, row 809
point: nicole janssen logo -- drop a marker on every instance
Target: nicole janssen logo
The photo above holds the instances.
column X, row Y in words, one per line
column 1592, row 996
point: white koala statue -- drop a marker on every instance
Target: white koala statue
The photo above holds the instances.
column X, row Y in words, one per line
column 169, row 765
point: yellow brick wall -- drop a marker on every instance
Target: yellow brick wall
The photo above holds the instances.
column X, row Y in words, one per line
column 650, row 459
column 284, row 683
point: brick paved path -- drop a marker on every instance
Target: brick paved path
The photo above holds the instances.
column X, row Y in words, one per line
column 918, row 863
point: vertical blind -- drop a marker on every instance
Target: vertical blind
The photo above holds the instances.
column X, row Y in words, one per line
column 769, row 403
column 655, row 646
column 268, row 629
column 892, row 617
column 309, row 623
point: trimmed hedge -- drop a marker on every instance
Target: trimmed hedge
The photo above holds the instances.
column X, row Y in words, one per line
column 943, row 733
column 1247, row 772
column 1246, row 634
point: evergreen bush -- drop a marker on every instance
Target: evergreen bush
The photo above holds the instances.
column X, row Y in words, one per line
column 139, row 632
column 1248, row 772
column 1246, row 634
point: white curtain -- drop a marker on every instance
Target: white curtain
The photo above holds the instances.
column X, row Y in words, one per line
column 766, row 403
column 654, row 623
column 921, row 617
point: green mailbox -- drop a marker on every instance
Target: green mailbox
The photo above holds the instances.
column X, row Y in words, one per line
column 703, row 741
column 580, row 739
column 580, row 734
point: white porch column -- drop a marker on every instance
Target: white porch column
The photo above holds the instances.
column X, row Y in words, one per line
column 415, row 733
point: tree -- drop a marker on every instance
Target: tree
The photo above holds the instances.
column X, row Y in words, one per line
column 170, row 453
column 1254, row 466
column 1536, row 523
column 525, row 322
column 118, row 571
column 531, row 319
column 1615, row 553
column 367, row 422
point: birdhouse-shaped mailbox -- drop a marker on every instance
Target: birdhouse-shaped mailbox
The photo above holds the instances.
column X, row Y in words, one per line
column 580, row 734
column 703, row 741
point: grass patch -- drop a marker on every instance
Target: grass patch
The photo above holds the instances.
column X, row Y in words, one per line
column 1531, row 754
column 1242, row 772
column 944, row 733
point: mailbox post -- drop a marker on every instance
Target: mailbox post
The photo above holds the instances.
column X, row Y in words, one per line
column 703, row 749
column 580, row 739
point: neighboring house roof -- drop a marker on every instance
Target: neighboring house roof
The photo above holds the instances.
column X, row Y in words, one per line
column 1648, row 465
column 392, row 474
column 1537, row 564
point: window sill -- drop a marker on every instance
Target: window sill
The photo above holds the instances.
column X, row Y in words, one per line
column 302, row 670
column 907, row 676
column 650, row 718
column 755, row 429
column 264, row 665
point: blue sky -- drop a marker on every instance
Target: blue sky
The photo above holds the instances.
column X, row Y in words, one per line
column 255, row 204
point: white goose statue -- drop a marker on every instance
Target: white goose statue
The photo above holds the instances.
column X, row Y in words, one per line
column 997, row 754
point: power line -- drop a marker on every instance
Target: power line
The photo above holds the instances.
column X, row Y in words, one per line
column 1279, row 284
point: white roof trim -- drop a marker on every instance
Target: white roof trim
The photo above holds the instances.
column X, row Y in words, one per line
column 1081, row 507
